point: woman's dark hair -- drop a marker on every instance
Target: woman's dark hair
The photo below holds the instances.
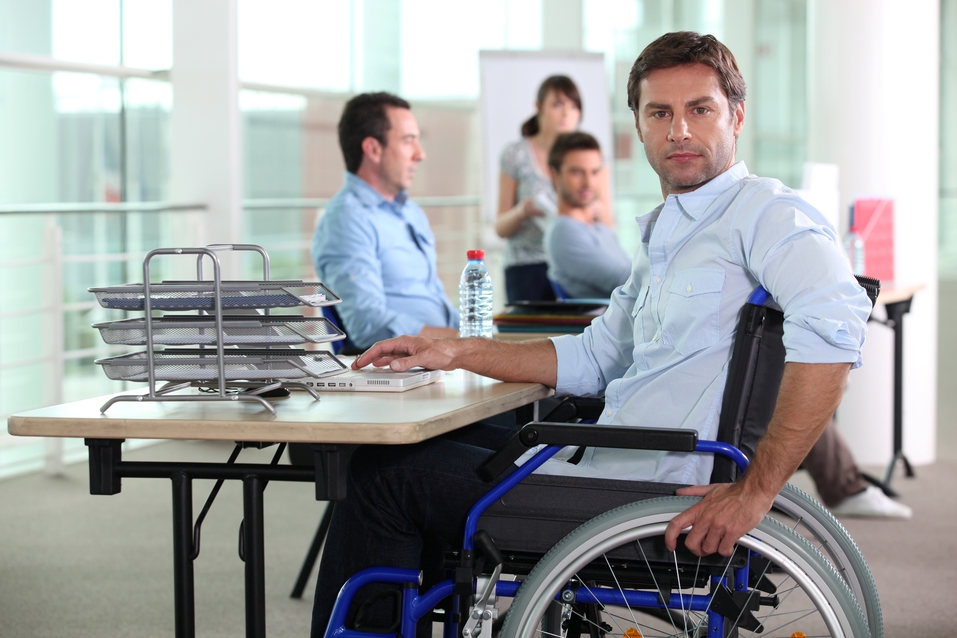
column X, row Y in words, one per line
column 568, row 142
column 560, row 84
column 687, row 47
column 365, row 116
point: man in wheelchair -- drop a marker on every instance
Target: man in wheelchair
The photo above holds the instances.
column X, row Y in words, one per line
column 659, row 355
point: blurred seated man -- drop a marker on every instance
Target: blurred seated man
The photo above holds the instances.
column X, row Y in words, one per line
column 373, row 246
column 584, row 256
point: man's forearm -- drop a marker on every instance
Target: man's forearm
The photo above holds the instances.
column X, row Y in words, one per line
column 532, row 361
column 808, row 396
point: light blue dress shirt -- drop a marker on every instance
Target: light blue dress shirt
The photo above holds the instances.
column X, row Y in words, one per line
column 660, row 352
column 379, row 257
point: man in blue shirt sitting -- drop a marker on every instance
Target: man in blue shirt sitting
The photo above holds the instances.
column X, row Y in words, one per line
column 584, row 256
column 373, row 246
column 659, row 354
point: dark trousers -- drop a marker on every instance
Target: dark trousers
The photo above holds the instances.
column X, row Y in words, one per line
column 832, row 467
column 405, row 504
column 528, row 282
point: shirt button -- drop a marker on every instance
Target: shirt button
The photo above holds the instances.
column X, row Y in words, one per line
column 609, row 412
column 689, row 287
column 657, row 280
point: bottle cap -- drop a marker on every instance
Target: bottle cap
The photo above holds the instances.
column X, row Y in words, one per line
column 476, row 254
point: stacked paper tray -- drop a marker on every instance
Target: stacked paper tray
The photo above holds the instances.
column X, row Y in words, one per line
column 184, row 330
column 201, row 295
column 194, row 364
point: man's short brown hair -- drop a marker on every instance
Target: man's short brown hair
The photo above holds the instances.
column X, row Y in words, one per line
column 364, row 116
column 687, row 47
column 568, row 142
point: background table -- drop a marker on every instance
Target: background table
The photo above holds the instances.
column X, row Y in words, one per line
column 338, row 418
column 897, row 300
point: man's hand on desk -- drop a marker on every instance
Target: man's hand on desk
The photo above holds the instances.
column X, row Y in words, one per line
column 532, row 361
column 402, row 353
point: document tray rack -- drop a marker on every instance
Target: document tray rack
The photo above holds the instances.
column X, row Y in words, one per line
column 238, row 330
column 264, row 365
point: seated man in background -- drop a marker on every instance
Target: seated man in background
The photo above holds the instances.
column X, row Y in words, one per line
column 373, row 246
column 584, row 256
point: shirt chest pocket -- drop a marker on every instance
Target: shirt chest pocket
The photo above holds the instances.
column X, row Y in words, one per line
column 692, row 318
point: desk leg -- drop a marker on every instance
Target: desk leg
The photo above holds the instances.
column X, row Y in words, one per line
column 254, row 555
column 182, row 556
column 895, row 317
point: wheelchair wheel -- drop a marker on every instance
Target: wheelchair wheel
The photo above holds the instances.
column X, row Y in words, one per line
column 814, row 522
column 618, row 559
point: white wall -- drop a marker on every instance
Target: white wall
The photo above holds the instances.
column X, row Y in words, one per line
column 205, row 134
column 875, row 112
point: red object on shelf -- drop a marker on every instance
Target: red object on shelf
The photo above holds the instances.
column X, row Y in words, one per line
column 874, row 223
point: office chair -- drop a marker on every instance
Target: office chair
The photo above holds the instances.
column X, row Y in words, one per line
column 560, row 293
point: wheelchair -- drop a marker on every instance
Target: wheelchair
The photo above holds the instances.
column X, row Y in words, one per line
column 588, row 557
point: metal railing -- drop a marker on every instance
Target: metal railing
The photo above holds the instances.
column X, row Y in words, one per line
column 98, row 207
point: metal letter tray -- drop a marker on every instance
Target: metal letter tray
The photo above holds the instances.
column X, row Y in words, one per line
column 201, row 295
column 249, row 330
column 194, row 364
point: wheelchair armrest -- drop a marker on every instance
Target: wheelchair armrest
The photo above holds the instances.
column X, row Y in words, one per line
column 572, row 408
column 614, row 436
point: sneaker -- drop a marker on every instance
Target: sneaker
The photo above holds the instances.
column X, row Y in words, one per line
column 872, row 503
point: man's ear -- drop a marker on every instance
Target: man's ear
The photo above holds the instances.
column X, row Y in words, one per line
column 372, row 148
column 638, row 127
column 738, row 119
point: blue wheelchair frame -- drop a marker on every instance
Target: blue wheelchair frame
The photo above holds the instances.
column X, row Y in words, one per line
column 415, row 606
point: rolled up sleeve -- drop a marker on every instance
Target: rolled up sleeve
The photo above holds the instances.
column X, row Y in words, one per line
column 797, row 258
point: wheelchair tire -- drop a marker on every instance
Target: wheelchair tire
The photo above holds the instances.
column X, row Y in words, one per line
column 816, row 523
column 807, row 575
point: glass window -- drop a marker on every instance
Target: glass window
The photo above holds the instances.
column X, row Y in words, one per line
column 948, row 140
column 778, row 95
column 147, row 33
column 441, row 61
column 86, row 31
column 76, row 138
column 303, row 43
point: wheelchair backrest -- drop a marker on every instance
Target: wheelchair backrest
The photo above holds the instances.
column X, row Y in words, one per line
column 754, row 376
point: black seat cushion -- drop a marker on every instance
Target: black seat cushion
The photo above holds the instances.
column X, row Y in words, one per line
column 536, row 514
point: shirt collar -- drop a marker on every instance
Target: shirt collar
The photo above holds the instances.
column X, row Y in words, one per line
column 370, row 197
column 695, row 203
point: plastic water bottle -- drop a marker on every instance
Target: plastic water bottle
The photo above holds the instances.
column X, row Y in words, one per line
column 854, row 247
column 475, row 297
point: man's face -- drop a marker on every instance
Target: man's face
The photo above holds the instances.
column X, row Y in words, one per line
column 687, row 125
column 396, row 163
column 577, row 180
